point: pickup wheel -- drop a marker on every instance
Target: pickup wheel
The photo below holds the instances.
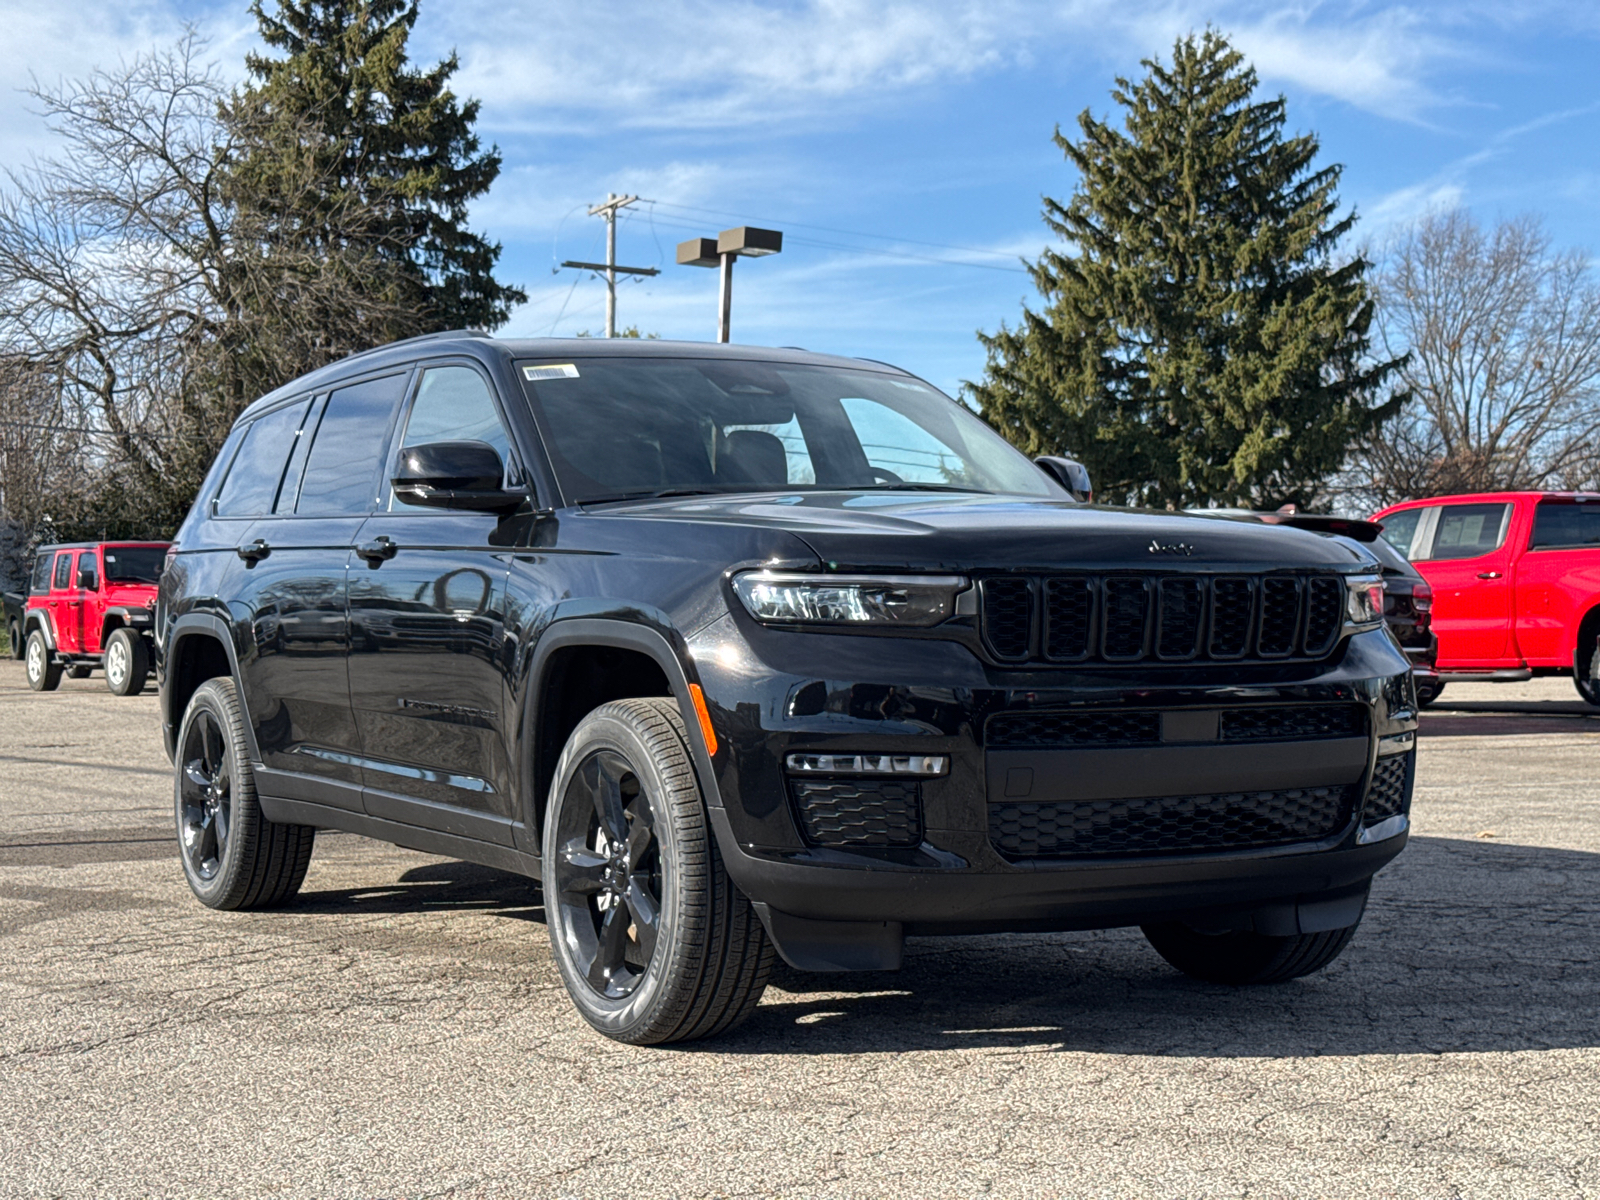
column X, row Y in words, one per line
column 127, row 663
column 1241, row 957
column 1586, row 675
column 44, row 674
column 14, row 639
column 1427, row 693
column 233, row 857
column 653, row 941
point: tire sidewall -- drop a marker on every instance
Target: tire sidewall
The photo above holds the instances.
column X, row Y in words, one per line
column 118, row 652
column 603, row 730
column 38, row 662
column 1583, row 676
column 241, row 791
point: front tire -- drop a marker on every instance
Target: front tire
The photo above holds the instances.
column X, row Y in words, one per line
column 233, row 857
column 1242, row 957
column 44, row 674
column 654, row 942
column 127, row 663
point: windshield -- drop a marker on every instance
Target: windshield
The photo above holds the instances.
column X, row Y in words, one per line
column 134, row 564
column 625, row 428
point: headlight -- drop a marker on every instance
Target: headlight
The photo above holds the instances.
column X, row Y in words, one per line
column 916, row 601
column 1363, row 601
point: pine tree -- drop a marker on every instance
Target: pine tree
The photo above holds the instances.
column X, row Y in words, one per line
column 1200, row 343
column 390, row 151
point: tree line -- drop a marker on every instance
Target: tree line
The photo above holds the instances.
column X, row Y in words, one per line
column 1207, row 331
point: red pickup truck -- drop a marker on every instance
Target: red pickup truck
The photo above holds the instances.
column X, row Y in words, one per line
column 1516, row 582
column 90, row 605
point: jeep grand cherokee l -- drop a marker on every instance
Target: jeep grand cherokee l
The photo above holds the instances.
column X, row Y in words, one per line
column 741, row 651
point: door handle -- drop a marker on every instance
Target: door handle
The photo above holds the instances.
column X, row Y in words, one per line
column 254, row 552
column 1488, row 574
column 376, row 551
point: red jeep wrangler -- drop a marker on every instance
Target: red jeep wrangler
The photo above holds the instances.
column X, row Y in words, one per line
column 1516, row 583
column 90, row 605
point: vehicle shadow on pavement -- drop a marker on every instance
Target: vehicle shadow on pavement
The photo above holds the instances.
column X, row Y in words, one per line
column 1467, row 946
column 457, row 886
column 1483, row 719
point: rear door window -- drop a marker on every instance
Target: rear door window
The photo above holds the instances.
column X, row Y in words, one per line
column 63, row 579
column 1565, row 526
column 251, row 485
column 1469, row 530
column 341, row 471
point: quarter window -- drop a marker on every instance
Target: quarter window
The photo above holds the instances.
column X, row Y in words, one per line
column 1468, row 530
column 41, row 574
column 1558, row 526
column 251, row 486
column 341, row 471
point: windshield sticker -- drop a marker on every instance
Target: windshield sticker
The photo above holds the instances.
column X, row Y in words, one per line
column 561, row 371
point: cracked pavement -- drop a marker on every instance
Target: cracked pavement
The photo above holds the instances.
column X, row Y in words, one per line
column 400, row 1031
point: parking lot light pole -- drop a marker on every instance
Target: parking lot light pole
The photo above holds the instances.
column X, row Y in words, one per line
column 720, row 252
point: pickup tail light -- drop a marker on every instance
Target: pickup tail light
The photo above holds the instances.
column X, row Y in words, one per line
column 1422, row 601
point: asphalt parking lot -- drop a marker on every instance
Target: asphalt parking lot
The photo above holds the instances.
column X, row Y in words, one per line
column 401, row 1031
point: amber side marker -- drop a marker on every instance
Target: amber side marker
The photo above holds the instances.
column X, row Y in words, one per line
column 706, row 731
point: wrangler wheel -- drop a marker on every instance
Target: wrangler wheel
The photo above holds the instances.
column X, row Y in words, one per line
column 653, row 940
column 127, row 663
column 44, row 674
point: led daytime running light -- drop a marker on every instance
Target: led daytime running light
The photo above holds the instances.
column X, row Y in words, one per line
column 923, row 765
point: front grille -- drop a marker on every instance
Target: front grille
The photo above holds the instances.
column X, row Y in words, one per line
column 1169, row 824
column 1092, row 728
column 1386, row 795
column 1168, row 618
column 858, row 812
column 1131, row 727
column 1299, row 723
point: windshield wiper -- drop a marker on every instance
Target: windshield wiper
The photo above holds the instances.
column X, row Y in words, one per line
column 917, row 487
column 660, row 494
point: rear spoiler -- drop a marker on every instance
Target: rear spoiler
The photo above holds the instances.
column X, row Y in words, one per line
column 1360, row 531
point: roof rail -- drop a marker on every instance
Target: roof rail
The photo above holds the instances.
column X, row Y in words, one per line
column 422, row 337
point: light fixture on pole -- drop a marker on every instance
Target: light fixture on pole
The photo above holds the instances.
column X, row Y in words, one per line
column 720, row 252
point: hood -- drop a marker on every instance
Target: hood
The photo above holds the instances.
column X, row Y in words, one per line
column 956, row 532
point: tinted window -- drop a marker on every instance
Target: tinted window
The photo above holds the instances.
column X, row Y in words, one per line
column 289, row 492
column 1565, row 525
column 252, row 482
column 41, row 574
column 88, row 572
column 135, row 564
column 617, row 427
column 1398, row 529
column 63, row 577
column 341, row 472
column 1468, row 530
column 454, row 404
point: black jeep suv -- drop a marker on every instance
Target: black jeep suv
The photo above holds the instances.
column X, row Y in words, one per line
column 742, row 650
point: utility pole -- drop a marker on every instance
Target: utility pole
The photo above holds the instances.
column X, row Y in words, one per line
column 609, row 268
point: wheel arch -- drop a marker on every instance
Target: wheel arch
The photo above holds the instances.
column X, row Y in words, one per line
column 199, row 647
column 580, row 663
column 1588, row 628
column 36, row 619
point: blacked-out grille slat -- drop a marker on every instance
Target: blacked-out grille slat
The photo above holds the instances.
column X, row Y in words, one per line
column 1178, row 624
column 1169, row 824
column 1293, row 722
column 1095, row 727
column 858, row 812
column 1127, row 613
column 1171, row 617
column 1386, row 795
column 1008, row 616
column 1280, row 616
column 1069, row 619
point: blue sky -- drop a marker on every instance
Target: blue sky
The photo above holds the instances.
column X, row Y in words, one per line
column 903, row 147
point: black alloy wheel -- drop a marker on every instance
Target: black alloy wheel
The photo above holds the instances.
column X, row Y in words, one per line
column 205, row 809
column 653, row 941
column 607, row 874
column 232, row 856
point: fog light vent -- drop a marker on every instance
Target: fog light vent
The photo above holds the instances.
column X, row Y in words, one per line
column 1387, row 794
column 858, row 812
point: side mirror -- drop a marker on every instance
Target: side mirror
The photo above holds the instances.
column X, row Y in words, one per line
column 465, row 475
column 1070, row 474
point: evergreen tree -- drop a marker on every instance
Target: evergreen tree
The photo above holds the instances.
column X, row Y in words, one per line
column 390, row 148
column 1200, row 341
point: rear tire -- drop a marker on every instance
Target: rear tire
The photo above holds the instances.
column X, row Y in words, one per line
column 233, row 857
column 1427, row 693
column 1586, row 675
column 78, row 671
column 1245, row 958
column 18, row 643
column 127, row 663
column 44, row 673
column 654, row 942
